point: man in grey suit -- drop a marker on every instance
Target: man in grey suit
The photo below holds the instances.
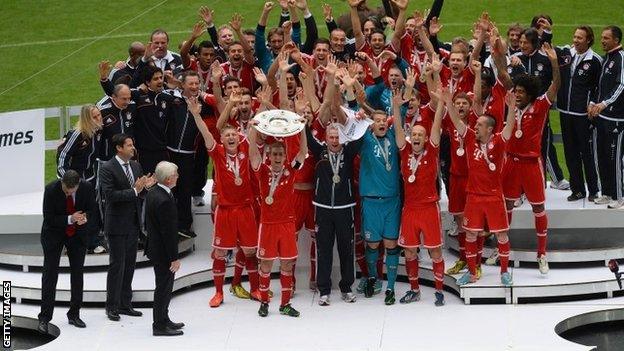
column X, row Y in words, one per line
column 122, row 183
column 161, row 220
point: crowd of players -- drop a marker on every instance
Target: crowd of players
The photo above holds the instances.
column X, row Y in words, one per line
column 470, row 116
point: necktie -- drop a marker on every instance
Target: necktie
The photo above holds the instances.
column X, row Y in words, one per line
column 71, row 228
column 129, row 174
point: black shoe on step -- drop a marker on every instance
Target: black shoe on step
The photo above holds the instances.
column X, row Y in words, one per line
column 370, row 287
column 576, row 197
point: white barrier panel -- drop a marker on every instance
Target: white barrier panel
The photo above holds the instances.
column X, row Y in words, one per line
column 22, row 145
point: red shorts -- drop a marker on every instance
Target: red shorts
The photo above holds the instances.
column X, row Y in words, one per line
column 425, row 219
column 457, row 194
column 304, row 210
column 235, row 227
column 485, row 212
column 277, row 240
column 524, row 175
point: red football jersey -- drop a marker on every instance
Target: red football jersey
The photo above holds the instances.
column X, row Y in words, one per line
column 483, row 180
column 425, row 118
column 423, row 189
column 244, row 74
column 465, row 81
column 495, row 105
column 384, row 66
column 204, row 76
column 228, row 193
column 281, row 210
column 459, row 161
column 529, row 144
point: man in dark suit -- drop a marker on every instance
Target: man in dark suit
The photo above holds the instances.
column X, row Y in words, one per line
column 122, row 183
column 161, row 220
column 68, row 204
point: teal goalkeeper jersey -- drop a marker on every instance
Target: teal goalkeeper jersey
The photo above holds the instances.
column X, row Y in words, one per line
column 375, row 179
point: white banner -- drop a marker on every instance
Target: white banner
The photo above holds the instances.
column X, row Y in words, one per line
column 22, row 152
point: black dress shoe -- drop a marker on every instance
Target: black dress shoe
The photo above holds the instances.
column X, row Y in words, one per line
column 576, row 197
column 174, row 325
column 166, row 332
column 186, row 233
column 592, row 197
column 76, row 321
column 42, row 327
column 113, row 316
column 130, row 312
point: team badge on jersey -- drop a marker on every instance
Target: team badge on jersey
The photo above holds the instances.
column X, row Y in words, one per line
column 540, row 67
column 241, row 156
column 163, row 105
column 586, row 66
column 611, row 64
column 110, row 119
column 128, row 115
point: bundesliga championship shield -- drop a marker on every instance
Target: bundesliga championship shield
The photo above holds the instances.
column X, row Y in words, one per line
column 278, row 123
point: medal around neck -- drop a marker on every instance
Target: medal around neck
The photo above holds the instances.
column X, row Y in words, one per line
column 278, row 123
column 268, row 200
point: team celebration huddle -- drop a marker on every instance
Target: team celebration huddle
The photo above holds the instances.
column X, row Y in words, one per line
column 351, row 135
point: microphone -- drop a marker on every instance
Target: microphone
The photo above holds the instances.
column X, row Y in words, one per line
column 613, row 267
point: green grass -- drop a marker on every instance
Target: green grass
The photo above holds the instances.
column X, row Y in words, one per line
column 51, row 49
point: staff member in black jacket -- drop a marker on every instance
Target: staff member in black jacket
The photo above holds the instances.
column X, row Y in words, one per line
column 334, row 202
column 580, row 71
column 161, row 218
column 68, row 204
column 122, row 183
column 609, row 108
column 118, row 112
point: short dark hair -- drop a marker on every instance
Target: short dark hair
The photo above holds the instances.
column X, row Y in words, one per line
column 70, row 179
column 491, row 120
column 277, row 144
column 249, row 31
column 118, row 140
column 273, row 31
column 228, row 79
column 616, row 31
column 235, row 42
column 378, row 31
column 538, row 17
column 188, row 73
column 149, row 72
column 206, row 44
column 530, row 84
column 487, row 76
column 531, row 35
column 322, row 41
column 159, row 31
column 589, row 32
column 515, row 27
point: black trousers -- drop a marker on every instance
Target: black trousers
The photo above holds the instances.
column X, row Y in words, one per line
column 445, row 161
column 76, row 251
column 149, row 159
column 579, row 139
column 549, row 154
column 182, row 191
column 162, row 294
column 123, row 252
column 200, row 170
column 334, row 225
column 609, row 151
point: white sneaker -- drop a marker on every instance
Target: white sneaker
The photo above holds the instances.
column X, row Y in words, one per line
column 454, row 230
column 491, row 261
column 562, row 185
column 520, row 201
column 616, row 204
column 324, row 300
column 349, row 297
column 603, row 200
column 543, row 264
column 198, row 201
column 99, row 249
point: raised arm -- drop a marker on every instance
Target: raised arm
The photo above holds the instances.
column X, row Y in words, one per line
column 207, row 15
column 477, row 104
column 105, row 68
column 500, row 59
column 445, row 97
column 306, row 77
column 510, row 100
column 195, row 107
column 360, row 40
column 399, row 27
column 284, row 67
column 237, row 23
column 419, row 18
column 255, row 158
column 399, row 132
column 303, row 147
column 216, row 74
column 481, row 31
column 551, row 93
column 197, row 31
column 232, row 102
column 436, row 128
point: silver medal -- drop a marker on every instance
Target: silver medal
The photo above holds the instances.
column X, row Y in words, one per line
column 336, row 178
column 411, row 178
column 460, row 152
column 269, row 200
column 492, row 167
column 238, row 181
column 518, row 134
column 388, row 167
column 422, row 78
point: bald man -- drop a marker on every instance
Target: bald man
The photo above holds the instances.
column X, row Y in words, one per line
column 125, row 70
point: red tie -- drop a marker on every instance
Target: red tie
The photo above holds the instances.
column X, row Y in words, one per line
column 71, row 228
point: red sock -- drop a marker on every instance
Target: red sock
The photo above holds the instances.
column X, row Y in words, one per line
column 265, row 281
column 438, row 273
column 252, row 272
column 313, row 257
column 380, row 262
column 412, row 273
column 359, row 256
column 541, row 227
column 218, row 272
column 471, row 255
column 286, row 278
column 461, row 238
column 503, row 253
column 480, row 241
column 240, row 260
